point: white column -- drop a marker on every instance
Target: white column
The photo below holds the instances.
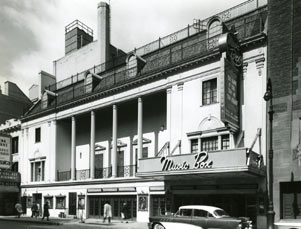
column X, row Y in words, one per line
column 73, row 147
column 168, row 114
column 180, row 89
column 92, row 146
column 114, row 143
column 53, row 153
column 139, row 130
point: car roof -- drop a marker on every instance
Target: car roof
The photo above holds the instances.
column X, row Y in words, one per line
column 200, row 207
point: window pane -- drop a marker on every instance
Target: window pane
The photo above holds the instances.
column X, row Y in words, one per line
column 194, row 145
column 38, row 135
column 60, row 202
column 225, row 142
column 210, row 144
column 145, row 152
column 209, row 92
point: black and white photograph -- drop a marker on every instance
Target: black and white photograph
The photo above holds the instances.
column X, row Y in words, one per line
column 150, row 114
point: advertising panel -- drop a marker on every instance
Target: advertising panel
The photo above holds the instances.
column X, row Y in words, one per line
column 229, row 96
column 5, row 151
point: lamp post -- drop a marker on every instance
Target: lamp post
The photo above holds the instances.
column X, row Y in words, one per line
column 268, row 96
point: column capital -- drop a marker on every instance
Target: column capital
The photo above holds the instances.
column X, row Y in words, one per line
column 259, row 65
column 180, row 86
column 168, row 90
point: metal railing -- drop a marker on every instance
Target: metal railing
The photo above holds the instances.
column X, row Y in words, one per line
column 63, row 175
column 78, row 24
column 103, row 172
column 190, row 30
column 82, row 174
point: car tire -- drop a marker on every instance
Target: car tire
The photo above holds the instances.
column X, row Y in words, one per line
column 158, row 226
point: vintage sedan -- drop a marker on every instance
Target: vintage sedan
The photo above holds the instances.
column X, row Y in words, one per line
column 199, row 216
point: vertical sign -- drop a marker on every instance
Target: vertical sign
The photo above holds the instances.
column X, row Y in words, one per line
column 229, row 103
column 5, row 151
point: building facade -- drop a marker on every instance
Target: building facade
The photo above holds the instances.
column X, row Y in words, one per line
column 178, row 121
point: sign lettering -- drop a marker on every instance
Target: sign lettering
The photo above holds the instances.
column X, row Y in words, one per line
column 201, row 162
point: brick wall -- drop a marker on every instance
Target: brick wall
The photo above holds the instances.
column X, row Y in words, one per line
column 284, row 67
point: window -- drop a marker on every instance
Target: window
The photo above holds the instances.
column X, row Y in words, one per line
column 225, row 142
column 15, row 145
column 210, row 144
column 209, row 92
column 60, row 202
column 194, row 145
column 186, row 212
column 50, row 201
column 144, row 152
column 200, row 213
column 15, row 166
column 37, row 171
column 214, row 29
column 38, row 135
column 132, row 66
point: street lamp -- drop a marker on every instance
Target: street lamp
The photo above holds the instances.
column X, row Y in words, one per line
column 268, row 96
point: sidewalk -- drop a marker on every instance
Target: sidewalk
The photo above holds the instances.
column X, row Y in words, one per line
column 52, row 220
column 62, row 221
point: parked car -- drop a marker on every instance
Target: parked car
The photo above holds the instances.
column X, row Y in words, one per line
column 199, row 216
column 288, row 224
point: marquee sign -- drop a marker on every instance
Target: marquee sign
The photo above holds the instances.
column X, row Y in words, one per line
column 201, row 162
column 5, row 151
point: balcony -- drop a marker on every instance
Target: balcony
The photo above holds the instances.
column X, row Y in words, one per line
column 100, row 173
column 233, row 162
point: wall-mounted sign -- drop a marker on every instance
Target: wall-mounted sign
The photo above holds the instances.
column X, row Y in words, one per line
column 5, row 152
column 201, row 162
column 229, row 95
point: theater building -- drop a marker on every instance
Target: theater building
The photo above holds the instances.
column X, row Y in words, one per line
column 178, row 121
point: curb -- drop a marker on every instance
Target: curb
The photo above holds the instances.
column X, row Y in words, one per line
column 25, row 220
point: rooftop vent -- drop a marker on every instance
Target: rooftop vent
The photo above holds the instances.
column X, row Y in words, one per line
column 77, row 35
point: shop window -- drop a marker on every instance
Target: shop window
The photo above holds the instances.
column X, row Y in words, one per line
column 15, row 145
column 49, row 199
column 209, row 92
column 194, row 145
column 37, row 171
column 225, row 142
column 60, row 202
column 38, row 135
column 209, row 144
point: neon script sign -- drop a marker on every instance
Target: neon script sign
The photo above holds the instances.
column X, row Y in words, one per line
column 201, row 162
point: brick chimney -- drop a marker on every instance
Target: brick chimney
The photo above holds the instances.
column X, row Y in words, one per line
column 103, row 31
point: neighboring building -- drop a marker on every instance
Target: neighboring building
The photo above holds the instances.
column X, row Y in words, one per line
column 13, row 102
column 178, row 121
column 284, row 69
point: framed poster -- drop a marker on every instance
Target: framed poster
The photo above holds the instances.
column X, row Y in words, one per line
column 142, row 202
column 81, row 202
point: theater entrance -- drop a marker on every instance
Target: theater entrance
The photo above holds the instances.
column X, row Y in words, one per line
column 96, row 206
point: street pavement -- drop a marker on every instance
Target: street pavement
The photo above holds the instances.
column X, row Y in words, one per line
column 25, row 222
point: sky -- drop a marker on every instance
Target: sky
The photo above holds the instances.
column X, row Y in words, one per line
column 33, row 31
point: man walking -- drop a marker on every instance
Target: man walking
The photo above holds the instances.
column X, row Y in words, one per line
column 107, row 212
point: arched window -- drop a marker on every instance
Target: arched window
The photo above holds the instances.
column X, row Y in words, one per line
column 214, row 28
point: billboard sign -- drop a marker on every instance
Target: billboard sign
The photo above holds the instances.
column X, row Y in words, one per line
column 5, row 151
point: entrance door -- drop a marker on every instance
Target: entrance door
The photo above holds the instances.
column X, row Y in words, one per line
column 23, row 203
column 37, row 198
column 99, row 166
column 72, row 203
column 120, row 163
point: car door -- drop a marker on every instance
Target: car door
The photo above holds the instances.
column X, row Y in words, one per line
column 199, row 218
column 184, row 216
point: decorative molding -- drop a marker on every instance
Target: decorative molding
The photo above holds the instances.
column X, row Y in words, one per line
column 244, row 70
column 259, row 65
column 180, row 86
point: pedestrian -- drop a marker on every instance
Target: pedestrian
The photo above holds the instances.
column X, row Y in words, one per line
column 124, row 212
column 38, row 213
column 107, row 212
column 34, row 210
column 19, row 210
column 46, row 211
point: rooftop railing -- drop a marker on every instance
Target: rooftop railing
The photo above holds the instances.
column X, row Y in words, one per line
column 190, row 30
column 80, row 25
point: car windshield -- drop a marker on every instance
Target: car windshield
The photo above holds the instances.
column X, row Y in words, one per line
column 220, row 213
